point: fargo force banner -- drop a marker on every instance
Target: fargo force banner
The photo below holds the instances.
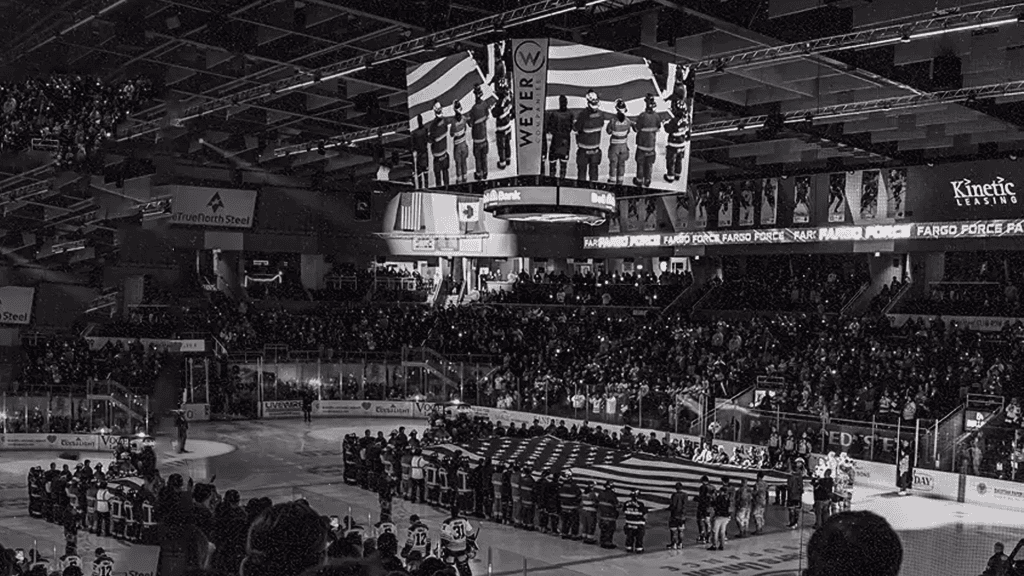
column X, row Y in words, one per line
column 16, row 304
column 212, row 207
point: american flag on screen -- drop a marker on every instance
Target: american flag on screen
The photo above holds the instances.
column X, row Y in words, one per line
column 443, row 80
column 410, row 212
column 654, row 477
column 573, row 69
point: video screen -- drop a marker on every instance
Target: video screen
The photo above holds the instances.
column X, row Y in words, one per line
column 461, row 118
column 611, row 118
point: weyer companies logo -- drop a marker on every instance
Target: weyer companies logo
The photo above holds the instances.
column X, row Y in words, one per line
column 999, row 192
column 530, row 57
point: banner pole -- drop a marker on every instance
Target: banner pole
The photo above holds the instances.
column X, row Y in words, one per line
column 872, row 452
column 917, row 435
column 935, row 445
column 3, row 422
column 206, row 370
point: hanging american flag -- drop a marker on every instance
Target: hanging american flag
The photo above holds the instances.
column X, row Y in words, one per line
column 410, row 212
column 655, row 477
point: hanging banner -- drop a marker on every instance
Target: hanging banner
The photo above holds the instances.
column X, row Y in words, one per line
column 16, row 304
column 769, row 201
column 530, row 70
column 726, row 203
column 869, row 195
column 701, row 203
column 213, row 207
column 896, row 192
column 746, row 203
column 837, row 197
column 802, row 200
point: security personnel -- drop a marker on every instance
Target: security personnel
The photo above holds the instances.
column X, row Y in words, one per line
column 678, row 129
column 618, row 151
column 478, row 115
column 588, row 514
column 588, row 126
column 635, row 513
column 438, row 131
column 498, row 503
column 677, row 518
column 502, row 113
column 607, row 513
column 526, row 485
column 646, row 127
column 569, row 497
column 459, row 142
column 515, row 480
column 557, row 135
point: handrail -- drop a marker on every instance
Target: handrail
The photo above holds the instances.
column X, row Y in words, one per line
column 855, row 298
column 679, row 298
column 895, row 299
column 698, row 304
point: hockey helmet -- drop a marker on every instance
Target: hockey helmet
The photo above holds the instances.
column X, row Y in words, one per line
column 620, row 105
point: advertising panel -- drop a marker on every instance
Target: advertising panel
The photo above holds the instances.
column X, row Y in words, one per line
column 530, row 70
column 856, row 233
column 461, row 116
column 371, row 408
column 991, row 492
column 984, row 190
column 49, row 441
column 540, row 197
column 282, row 409
column 16, row 304
column 184, row 346
column 973, row 323
column 213, row 207
column 196, row 412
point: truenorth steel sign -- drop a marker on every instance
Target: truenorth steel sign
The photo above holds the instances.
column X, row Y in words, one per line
column 922, row 231
column 213, row 207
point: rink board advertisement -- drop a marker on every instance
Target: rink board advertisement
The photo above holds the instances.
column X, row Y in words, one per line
column 992, row 492
column 481, row 85
column 89, row 442
column 371, row 409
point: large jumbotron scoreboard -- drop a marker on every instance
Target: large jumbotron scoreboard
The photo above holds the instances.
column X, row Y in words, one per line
column 551, row 131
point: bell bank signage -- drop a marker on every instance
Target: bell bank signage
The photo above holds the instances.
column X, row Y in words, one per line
column 549, row 196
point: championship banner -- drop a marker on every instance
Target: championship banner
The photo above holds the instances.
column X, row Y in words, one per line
column 926, row 231
column 530, row 70
column 213, row 207
column 16, row 304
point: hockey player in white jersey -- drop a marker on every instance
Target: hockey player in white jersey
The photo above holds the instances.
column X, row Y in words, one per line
column 458, row 542
column 417, row 543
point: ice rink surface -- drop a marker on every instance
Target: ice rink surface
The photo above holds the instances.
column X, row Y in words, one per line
column 288, row 459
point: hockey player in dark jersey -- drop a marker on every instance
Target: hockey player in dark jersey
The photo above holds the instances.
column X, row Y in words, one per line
column 557, row 131
column 677, row 517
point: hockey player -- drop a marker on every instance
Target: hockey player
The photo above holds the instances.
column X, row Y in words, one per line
column 557, row 130
column 384, row 526
column 705, row 495
column 569, row 497
column 458, row 542
column 103, row 565
column 677, row 518
column 646, row 127
column 529, row 508
column 438, row 131
column 417, row 543
column 502, row 113
column 588, row 514
column 459, row 142
column 635, row 515
column 478, row 115
column 607, row 513
column 420, row 151
column 618, row 151
column 588, row 126
column 515, row 480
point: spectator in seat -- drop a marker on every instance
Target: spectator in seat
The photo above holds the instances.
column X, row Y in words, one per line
column 229, row 531
column 854, row 544
column 1013, row 412
column 285, row 540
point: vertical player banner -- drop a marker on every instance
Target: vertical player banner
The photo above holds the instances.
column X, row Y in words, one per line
column 837, row 197
column 746, row 202
column 896, row 193
column 726, row 197
column 769, row 201
column 802, row 200
column 530, row 70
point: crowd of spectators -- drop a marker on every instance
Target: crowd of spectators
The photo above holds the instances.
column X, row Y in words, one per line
column 973, row 284
column 78, row 113
column 794, row 283
column 603, row 289
column 60, row 365
column 885, row 296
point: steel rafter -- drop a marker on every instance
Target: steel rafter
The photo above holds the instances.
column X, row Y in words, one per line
column 883, row 36
column 516, row 17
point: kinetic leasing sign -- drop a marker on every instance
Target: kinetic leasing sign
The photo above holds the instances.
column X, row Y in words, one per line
column 982, row 190
column 212, row 207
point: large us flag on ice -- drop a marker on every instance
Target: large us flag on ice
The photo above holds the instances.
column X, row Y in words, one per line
column 654, row 477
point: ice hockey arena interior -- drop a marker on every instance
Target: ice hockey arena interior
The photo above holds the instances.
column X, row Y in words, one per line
column 511, row 288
